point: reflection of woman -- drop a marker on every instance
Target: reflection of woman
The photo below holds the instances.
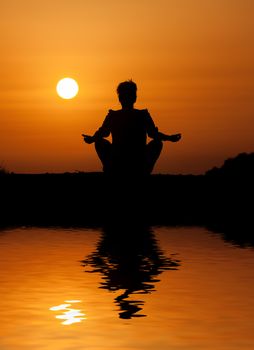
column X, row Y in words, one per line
column 129, row 259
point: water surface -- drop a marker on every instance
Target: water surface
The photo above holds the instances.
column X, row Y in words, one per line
column 124, row 288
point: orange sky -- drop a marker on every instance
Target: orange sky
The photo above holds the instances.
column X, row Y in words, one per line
column 193, row 62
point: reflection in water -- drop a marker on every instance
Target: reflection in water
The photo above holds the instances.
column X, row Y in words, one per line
column 208, row 304
column 70, row 315
column 129, row 259
column 240, row 235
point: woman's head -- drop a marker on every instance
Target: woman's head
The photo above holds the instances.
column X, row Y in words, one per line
column 127, row 93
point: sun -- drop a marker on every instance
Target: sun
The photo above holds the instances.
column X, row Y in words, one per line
column 67, row 88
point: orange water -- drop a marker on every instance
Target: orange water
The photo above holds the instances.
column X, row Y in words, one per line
column 174, row 288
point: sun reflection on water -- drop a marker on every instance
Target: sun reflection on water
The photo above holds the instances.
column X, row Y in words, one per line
column 70, row 315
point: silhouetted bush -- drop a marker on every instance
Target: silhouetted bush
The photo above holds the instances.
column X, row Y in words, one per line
column 241, row 165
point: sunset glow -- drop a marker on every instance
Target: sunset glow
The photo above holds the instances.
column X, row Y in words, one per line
column 192, row 60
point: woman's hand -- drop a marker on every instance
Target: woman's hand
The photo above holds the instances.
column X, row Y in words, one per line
column 88, row 139
column 175, row 138
column 172, row 138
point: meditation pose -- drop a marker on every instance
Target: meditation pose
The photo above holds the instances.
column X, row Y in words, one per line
column 129, row 153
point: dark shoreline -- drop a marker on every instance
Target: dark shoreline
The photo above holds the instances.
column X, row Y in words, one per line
column 222, row 204
column 94, row 198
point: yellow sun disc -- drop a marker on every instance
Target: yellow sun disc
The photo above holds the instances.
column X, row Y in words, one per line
column 67, row 88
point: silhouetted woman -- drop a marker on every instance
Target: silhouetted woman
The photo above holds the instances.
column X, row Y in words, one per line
column 129, row 152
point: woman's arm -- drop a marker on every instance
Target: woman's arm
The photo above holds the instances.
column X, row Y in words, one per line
column 103, row 131
column 154, row 133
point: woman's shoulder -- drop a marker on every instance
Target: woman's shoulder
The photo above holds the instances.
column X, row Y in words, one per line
column 143, row 111
column 113, row 111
